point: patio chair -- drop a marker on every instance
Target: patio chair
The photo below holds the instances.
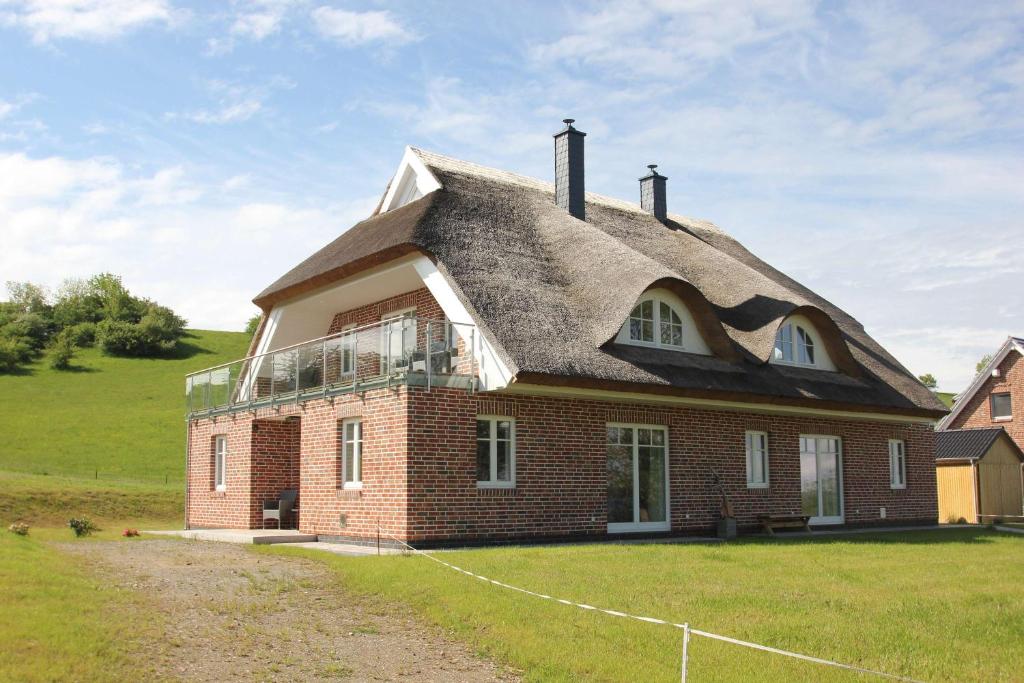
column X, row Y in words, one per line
column 280, row 509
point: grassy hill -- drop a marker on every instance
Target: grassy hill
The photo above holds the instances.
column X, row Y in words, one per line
column 108, row 418
column 946, row 397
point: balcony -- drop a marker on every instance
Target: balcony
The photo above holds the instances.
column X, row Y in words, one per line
column 405, row 350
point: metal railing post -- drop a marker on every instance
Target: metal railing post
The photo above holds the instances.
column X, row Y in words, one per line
column 297, row 373
column 189, row 388
column 323, row 373
column 273, row 376
column 472, row 360
column 209, row 389
column 355, row 358
column 429, row 356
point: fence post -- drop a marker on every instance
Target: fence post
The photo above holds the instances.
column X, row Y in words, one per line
column 378, row 537
column 686, row 644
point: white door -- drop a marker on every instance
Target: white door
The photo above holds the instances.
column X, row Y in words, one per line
column 821, row 479
column 637, row 478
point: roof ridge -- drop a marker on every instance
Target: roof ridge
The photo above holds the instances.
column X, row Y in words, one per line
column 454, row 164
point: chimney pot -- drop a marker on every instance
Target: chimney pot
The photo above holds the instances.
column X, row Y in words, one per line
column 569, row 190
column 652, row 193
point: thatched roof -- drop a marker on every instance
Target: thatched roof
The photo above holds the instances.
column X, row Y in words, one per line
column 551, row 292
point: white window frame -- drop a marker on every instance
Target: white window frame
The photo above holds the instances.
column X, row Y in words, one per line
column 897, row 464
column 493, row 482
column 656, row 303
column 357, row 454
column 753, row 450
column 795, row 330
column 626, row 527
column 386, row 360
column 992, row 405
column 348, row 350
column 220, row 462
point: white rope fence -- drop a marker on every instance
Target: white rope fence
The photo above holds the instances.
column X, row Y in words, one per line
column 686, row 628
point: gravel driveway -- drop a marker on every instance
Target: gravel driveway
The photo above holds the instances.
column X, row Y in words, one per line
column 234, row 615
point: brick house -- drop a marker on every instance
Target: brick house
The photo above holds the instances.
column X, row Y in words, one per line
column 996, row 396
column 491, row 357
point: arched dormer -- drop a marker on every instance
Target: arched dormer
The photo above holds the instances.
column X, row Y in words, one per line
column 661, row 320
column 798, row 342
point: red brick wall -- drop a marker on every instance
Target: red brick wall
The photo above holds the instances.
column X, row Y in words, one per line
column 420, row 299
column 978, row 411
column 561, row 460
column 419, row 466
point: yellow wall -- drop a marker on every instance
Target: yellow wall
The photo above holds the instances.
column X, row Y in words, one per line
column 956, row 494
column 999, row 472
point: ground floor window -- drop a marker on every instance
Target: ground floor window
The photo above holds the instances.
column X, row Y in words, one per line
column 637, row 477
column 897, row 464
column 352, row 454
column 757, row 460
column 495, row 452
column 220, row 457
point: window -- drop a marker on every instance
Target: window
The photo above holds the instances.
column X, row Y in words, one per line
column 352, row 454
column 398, row 339
column 1002, row 409
column 348, row 350
column 220, row 457
column 637, row 478
column 795, row 345
column 655, row 322
column 757, row 460
column 897, row 464
column 495, row 452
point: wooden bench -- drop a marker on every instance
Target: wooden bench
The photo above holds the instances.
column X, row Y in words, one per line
column 773, row 522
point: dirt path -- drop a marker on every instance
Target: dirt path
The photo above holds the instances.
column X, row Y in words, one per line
column 234, row 615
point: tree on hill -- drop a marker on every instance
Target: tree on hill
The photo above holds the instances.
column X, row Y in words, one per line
column 253, row 324
column 928, row 379
column 983, row 363
column 99, row 309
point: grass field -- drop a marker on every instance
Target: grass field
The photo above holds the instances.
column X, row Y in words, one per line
column 932, row 605
column 946, row 397
column 58, row 624
column 122, row 418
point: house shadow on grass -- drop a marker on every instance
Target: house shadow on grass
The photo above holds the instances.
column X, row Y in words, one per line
column 959, row 536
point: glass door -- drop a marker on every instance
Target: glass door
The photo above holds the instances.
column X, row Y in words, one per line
column 821, row 485
column 398, row 341
column 637, row 478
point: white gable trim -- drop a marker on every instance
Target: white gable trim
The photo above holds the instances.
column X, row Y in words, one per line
column 412, row 180
column 964, row 398
column 493, row 372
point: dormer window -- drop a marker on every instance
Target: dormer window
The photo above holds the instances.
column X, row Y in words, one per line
column 796, row 343
column 661, row 320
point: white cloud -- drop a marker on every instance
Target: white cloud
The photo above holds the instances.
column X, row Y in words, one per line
column 96, row 20
column 236, row 102
column 191, row 250
column 360, row 28
column 263, row 18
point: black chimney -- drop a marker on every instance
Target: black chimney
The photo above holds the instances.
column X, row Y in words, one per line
column 652, row 193
column 569, row 193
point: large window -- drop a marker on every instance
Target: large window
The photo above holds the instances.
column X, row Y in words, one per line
column 495, row 452
column 757, row 460
column 352, row 454
column 637, row 478
column 897, row 464
column 1002, row 408
column 220, row 461
column 655, row 322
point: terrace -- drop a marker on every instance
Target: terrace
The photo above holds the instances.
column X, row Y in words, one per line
column 403, row 350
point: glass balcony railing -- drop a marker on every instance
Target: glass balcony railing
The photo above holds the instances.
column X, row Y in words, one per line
column 405, row 349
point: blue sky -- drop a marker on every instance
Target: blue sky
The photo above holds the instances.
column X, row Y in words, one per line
column 874, row 151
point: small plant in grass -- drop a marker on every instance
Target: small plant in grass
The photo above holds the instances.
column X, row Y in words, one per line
column 81, row 526
column 19, row 528
column 129, row 533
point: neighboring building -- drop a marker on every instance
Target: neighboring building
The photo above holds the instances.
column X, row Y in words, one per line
column 980, row 475
column 996, row 396
column 511, row 359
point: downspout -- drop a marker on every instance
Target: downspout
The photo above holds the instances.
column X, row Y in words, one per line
column 188, row 457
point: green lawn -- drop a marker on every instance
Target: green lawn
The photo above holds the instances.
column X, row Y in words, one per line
column 946, row 397
column 120, row 418
column 58, row 624
column 932, row 605
column 52, row 500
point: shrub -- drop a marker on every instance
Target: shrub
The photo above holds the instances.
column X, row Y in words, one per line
column 157, row 332
column 62, row 352
column 81, row 526
column 13, row 352
column 82, row 334
column 19, row 528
